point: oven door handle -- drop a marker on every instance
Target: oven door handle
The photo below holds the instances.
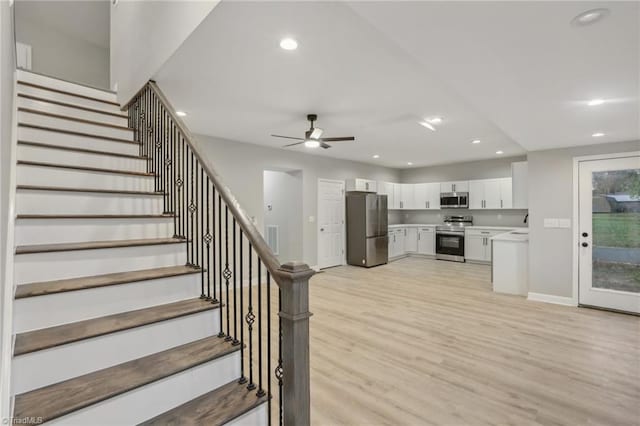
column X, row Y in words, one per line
column 450, row 233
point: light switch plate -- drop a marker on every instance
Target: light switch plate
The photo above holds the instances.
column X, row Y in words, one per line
column 564, row 223
column 550, row 222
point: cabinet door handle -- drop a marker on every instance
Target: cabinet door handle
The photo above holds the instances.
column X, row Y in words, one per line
column 426, row 204
column 418, row 236
column 366, row 185
column 501, row 203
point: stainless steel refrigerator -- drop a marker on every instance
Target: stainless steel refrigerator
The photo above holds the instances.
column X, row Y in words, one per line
column 367, row 229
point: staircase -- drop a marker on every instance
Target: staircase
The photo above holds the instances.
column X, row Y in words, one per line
column 112, row 324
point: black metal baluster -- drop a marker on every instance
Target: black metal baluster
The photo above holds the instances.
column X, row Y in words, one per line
column 213, row 246
column 279, row 371
column 227, row 271
column 179, row 183
column 220, row 270
column 196, row 239
column 186, row 200
column 202, row 227
column 207, row 239
column 260, row 392
column 243, row 379
column 192, row 209
column 250, row 320
column 269, row 346
column 235, row 289
column 174, row 186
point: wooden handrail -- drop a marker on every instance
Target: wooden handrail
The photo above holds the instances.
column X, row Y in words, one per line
column 244, row 221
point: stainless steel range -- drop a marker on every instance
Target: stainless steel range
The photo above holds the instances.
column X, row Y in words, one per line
column 450, row 238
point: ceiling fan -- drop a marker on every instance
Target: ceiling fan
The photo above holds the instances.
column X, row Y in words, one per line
column 312, row 137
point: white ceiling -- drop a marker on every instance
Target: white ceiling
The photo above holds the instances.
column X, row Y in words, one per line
column 510, row 74
column 87, row 20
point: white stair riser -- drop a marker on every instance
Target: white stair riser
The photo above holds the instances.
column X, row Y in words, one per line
column 47, row 94
column 52, row 231
column 76, row 126
column 61, row 202
column 81, row 263
column 155, row 398
column 31, row 313
column 66, row 86
column 63, row 139
column 71, row 111
column 58, row 156
column 259, row 416
column 41, row 368
column 53, row 176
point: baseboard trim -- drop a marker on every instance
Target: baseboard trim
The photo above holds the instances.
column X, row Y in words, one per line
column 550, row 298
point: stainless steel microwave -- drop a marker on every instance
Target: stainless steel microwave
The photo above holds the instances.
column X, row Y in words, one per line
column 454, row 200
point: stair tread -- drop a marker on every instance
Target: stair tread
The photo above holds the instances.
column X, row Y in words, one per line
column 83, row 168
column 84, row 150
column 70, row 105
column 76, row 119
column 213, row 408
column 36, row 340
column 90, row 245
column 95, row 216
column 72, row 132
column 96, row 190
column 62, row 398
column 64, row 92
column 70, row 284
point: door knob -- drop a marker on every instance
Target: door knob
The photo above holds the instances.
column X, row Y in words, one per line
column 585, row 244
column 584, row 234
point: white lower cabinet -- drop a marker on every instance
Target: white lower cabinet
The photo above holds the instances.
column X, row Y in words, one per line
column 396, row 242
column 411, row 239
column 477, row 244
column 427, row 240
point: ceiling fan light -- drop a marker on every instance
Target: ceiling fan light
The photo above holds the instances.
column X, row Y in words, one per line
column 310, row 143
column 316, row 133
column 427, row 125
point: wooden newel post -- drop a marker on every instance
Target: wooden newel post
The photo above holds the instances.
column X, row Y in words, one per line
column 294, row 284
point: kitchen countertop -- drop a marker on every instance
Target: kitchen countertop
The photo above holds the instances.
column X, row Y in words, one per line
column 411, row 225
column 517, row 235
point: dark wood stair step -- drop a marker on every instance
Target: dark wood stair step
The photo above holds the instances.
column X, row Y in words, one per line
column 83, row 150
column 76, row 119
column 72, row 284
column 64, row 92
column 74, row 133
column 37, row 340
column 92, row 245
column 62, row 398
column 83, row 168
column 96, row 216
column 213, row 408
column 90, row 190
column 66, row 104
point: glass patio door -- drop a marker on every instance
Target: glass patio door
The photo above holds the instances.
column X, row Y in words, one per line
column 609, row 227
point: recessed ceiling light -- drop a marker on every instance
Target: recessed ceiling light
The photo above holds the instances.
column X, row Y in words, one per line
column 595, row 102
column 475, row 141
column 435, row 120
column 499, row 152
column 597, row 135
column 181, row 113
column 311, row 144
column 590, row 17
column 409, row 163
column 288, row 44
column 376, row 156
column 427, row 125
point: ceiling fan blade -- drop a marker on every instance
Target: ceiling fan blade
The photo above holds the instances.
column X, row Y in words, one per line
column 339, row 139
column 293, row 144
column 288, row 137
column 325, row 145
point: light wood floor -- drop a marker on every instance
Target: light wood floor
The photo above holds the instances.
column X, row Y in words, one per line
column 421, row 342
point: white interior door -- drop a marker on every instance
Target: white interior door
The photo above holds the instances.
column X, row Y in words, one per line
column 609, row 233
column 331, row 229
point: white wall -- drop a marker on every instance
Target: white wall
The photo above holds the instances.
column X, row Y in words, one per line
column 7, row 69
column 60, row 55
column 283, row 207
column 144, row 34
column 551, row 196
column 241, row 165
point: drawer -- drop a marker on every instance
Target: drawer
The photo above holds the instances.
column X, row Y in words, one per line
column 486, row 232
column 427, row 229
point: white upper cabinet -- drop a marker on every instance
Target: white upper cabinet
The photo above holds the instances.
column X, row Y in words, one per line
column 426, row 196
column 490, row 194
column 519, row 173
column 387, row 188
column 358, row 184
column 407, row 196
column 458, row 186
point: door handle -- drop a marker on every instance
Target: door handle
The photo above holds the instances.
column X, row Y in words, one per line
column 585, row 244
